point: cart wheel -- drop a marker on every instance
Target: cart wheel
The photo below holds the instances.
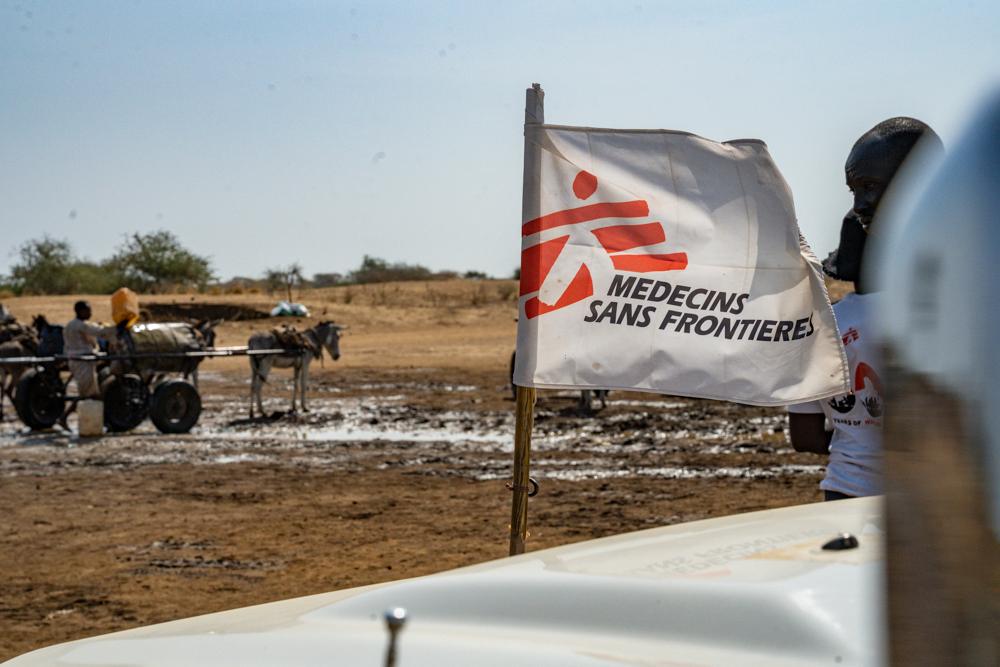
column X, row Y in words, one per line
column 175, row 407
column 126, row 403
column 39, row 399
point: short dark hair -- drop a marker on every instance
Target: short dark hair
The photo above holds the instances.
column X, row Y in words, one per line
column 903, row 133
column 80, row 305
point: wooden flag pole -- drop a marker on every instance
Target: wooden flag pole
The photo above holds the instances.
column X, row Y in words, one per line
column 534, row 114
column 522, row 463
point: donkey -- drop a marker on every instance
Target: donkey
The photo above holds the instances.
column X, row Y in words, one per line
column 585, row 405
column 206, row 329
column 11, row 330
column 206, row 333
column 323, row 335
column 24, row 345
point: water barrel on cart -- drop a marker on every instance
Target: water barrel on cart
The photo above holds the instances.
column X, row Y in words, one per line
column 171, row 339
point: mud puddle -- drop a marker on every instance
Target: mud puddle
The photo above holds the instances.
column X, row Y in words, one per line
column 395, row 426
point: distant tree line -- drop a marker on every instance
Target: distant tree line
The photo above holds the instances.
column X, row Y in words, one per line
column 148, row 263
column 372, row 270
column 157, row 262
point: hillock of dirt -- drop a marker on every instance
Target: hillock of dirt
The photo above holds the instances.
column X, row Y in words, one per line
column 172, row 312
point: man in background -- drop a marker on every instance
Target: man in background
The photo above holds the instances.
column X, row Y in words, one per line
column 79, row 339
column 855, row 443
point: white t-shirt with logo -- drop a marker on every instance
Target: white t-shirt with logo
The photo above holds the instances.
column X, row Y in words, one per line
column 855, row 466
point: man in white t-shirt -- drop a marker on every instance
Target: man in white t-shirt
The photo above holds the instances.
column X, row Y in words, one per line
column 855, row 443
column 79, row 339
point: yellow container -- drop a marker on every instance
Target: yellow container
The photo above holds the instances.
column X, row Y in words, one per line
column 125, row 306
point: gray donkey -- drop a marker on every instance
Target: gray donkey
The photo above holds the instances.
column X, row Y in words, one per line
column 10, row 375
column 15, row 341
column 307, row 345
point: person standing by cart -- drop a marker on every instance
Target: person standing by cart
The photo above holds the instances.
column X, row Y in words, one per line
column 79, row 339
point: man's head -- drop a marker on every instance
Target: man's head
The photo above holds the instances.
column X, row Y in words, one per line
column 877, row 156
column 82, row 310
column 871, row 166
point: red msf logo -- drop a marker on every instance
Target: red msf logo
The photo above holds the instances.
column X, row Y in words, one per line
column 537, row 260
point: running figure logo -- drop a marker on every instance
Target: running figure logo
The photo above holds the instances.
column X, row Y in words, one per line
column 616, row 239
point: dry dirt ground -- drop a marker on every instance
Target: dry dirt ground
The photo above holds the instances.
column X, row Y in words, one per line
column 398, row 470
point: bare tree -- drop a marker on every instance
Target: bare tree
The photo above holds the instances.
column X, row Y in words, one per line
column 284, row 278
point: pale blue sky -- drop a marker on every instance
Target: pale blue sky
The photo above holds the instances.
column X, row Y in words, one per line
column 263, row 133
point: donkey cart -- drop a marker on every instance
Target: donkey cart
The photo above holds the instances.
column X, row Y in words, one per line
column 134, row 385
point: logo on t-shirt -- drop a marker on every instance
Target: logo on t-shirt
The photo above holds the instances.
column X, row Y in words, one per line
column 873, row 404
column 866, row 383
column 843, row 404
column 866, row 379
column 851, row 336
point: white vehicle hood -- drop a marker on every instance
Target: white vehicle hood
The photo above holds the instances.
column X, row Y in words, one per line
column 751, row 589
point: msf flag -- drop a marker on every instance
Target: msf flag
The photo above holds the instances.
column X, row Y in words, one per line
column 661, row 261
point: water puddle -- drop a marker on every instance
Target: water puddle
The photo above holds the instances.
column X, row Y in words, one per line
column 631, row 438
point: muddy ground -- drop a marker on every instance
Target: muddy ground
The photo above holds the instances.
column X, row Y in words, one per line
column 391, row 474
column 397, row 471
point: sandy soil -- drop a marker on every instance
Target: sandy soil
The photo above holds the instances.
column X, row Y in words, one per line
column 398, row 470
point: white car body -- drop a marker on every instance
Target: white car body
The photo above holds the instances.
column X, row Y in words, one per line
column 750, row 589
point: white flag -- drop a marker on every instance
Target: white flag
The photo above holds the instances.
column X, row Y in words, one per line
column 661, row 261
